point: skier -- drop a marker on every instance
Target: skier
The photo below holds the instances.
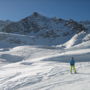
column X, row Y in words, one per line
column 72, row 65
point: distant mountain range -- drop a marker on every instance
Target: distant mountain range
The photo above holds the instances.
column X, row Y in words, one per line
column 46, row 31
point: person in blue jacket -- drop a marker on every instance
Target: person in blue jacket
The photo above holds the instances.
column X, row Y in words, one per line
column 72, row 65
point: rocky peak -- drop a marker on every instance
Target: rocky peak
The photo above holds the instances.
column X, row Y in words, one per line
column 40, row 25
column 36, row 14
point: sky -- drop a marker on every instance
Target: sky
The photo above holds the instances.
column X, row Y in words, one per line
column 67, row 9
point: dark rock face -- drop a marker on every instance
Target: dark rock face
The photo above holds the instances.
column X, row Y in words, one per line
column 43, row 26
column 4, row 24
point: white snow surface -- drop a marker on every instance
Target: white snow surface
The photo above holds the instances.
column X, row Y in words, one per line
column 38, row 59
column 28, row 67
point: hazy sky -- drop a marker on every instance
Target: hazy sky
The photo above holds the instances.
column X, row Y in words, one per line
column 17, row 9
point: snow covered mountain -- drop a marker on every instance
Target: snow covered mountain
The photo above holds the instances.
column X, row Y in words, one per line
column 38, row 24
column 35, row 53
column 86, row 25
column 48, row 31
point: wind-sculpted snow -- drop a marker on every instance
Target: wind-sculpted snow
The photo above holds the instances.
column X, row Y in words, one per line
column 44, row 68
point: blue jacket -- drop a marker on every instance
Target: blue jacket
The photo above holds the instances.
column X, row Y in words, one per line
column 72, row 62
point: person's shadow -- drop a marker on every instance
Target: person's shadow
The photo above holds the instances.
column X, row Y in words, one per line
column 83, row 73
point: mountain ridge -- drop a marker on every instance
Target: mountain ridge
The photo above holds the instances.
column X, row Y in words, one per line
column 46, row 31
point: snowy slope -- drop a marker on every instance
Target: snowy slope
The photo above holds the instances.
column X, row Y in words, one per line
column 44, row 69
column 25, row 66
column 35, row 55
column 86, row 24
column 11, row 40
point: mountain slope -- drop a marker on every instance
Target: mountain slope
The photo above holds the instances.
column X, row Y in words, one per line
column 35, row 53
column 42, row 69
column 44, row 29
column 4, row 24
